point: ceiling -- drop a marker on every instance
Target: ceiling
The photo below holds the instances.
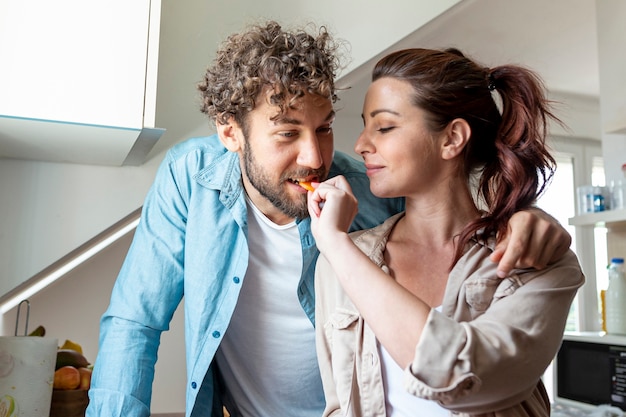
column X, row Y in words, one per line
column 556, row 38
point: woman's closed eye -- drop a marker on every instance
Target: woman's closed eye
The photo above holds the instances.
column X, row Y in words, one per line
column 386, row 129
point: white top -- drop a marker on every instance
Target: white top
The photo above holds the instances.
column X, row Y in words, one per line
column 267, row 357
column 398, row 402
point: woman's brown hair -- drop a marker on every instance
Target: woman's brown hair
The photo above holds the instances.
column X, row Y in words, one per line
column 507, row 147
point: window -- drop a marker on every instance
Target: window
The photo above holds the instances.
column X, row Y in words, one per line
column 579, row 162
column 559, row 201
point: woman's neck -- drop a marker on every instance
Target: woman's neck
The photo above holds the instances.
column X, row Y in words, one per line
column 436, row 221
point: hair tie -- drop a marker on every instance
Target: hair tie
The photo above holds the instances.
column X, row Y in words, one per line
column 491, row 82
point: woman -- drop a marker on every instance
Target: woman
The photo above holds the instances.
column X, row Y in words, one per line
column 411, row 316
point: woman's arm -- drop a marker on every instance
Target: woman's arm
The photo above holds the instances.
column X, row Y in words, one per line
column 360, row 278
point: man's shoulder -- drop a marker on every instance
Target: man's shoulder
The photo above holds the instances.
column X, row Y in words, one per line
column 202, row 145
column 201, row 157
column 354, row 172
column 205, row 161
column 346, row 165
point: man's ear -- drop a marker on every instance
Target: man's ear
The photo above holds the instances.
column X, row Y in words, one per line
column 230, row 134
column 457, row 134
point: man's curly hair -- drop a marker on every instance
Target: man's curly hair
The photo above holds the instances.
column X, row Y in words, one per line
column 291, row 63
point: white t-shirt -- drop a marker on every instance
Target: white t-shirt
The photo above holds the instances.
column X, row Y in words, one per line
column 398, row 402
column 267, row 357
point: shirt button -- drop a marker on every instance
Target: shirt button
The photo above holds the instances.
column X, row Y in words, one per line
column 216, row 334
column 236, row 280
column 194, row 385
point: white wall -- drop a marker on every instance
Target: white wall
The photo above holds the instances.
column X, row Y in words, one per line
column 48, row 209
column 612, row 65
column 579, row 114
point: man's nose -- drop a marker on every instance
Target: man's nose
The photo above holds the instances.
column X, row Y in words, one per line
column 310, row 154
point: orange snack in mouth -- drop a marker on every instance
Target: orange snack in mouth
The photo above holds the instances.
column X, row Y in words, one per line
column 306, row 185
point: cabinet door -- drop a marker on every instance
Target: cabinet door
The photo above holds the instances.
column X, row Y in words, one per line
column 74, row 61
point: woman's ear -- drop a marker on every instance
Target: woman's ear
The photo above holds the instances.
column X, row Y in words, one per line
column 457, row 134
column 230, row 135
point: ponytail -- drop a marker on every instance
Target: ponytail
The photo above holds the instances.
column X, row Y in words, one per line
column 523, row 166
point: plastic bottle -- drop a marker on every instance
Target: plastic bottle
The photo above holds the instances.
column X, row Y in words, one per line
column 615, row 298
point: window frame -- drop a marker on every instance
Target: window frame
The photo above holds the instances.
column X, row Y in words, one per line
column 582, row 152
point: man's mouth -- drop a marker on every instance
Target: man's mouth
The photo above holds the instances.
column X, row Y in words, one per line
column 302, row 183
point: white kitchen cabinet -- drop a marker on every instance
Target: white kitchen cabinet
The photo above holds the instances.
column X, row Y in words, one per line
column 78, row 80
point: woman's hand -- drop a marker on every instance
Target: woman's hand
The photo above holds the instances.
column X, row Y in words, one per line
column 332, row 207
column 534, row 240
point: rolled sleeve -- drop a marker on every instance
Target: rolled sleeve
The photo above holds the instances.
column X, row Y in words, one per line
column 488, row 347
column 448, row 376
column 113, row 403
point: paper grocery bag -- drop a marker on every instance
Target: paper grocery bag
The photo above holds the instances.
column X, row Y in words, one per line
column 26, row 375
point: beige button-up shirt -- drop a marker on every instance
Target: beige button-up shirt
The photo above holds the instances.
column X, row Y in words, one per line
column 483, row 354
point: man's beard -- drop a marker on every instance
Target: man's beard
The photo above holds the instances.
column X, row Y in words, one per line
column 276, row 194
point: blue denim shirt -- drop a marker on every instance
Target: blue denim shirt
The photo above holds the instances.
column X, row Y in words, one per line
column 191, row 241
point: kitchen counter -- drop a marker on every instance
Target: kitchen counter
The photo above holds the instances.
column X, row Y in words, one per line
column 567, row 410
column 168, row 415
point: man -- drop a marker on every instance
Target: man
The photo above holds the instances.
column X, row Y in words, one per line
column 226, row 225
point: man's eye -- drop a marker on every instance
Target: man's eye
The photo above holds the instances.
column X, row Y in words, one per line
column 325, row 130
column 288, row 134
column 386, row 129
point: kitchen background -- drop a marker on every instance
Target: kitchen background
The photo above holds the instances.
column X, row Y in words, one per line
column 87, row 87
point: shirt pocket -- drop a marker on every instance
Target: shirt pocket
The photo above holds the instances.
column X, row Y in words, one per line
column 481, row 293
column 341, row 327
column 343, row 331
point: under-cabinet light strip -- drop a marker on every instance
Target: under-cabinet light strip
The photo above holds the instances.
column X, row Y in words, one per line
column 38, row 283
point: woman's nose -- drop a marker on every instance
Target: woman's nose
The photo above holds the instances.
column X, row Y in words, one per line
column 362, row 144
